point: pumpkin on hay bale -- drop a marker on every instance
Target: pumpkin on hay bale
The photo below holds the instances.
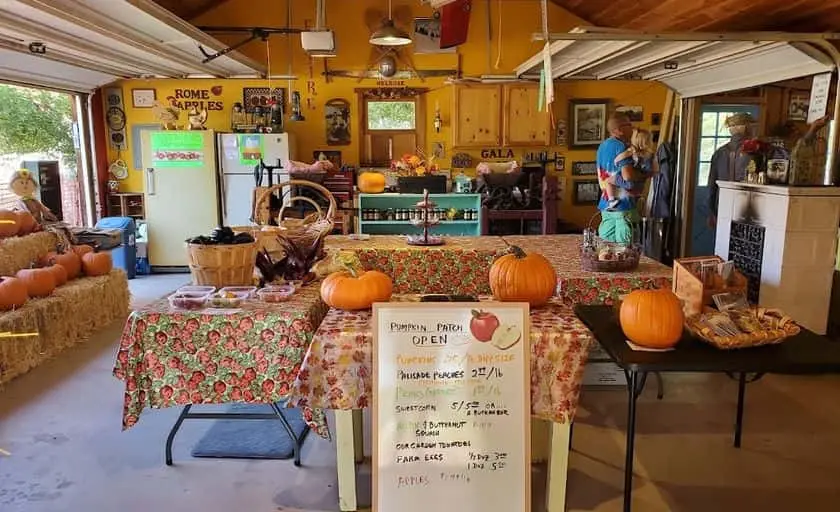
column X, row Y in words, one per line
column 40, row 282
column 9, row 225
column 97, row 263
column 13, row 293
column 20, row 251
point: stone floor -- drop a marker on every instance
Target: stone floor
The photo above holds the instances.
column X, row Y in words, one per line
column 61, row 424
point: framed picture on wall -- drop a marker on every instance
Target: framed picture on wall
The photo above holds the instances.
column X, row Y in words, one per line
column 337, row 116
column 584, row 169
column 589, row 122
column 143, row 98
column 559, row 162
column 253, row 97
column 331, row 155
column 586, row 192
column 635, row 112
column 798, row 107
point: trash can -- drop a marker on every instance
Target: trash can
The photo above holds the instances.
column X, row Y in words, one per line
column 124, row 256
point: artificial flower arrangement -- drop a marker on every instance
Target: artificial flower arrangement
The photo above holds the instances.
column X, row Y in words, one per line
column 415, row 165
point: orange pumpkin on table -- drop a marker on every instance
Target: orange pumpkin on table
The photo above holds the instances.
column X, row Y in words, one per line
column 521, row 277
column 652, row 318
column 371, row 182
column 26, row 223
column 40, row 282
column 353, row 290
column 71, row 262
column 9, row 225
column 97, row 263
column 13, row 293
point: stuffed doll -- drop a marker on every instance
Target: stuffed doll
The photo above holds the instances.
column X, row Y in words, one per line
column 23, row 185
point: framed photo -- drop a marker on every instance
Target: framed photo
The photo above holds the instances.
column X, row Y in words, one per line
column 561, row 137
column 589, row 123
column 427, row 36
column 798, row 107
column 337, row 117
column 331, row 155
column 586, row 192
column 635, row 112
column 655, row 119
column 253, row 97
column 777, row 171
column 559, row 162
column 143, row 98
column 584, row 169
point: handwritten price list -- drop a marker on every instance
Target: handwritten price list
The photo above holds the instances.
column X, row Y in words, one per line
column 451, row 410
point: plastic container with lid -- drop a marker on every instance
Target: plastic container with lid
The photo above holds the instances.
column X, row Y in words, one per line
column 279, row 293
column 191, row 288
column 188, row 300
column 242, row 292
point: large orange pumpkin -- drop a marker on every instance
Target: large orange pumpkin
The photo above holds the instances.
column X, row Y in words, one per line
column 40, row 282
column 97, row 263
column 352, row 290
column 8, row 228
column 81, row 250
column 26, row 223
column 71, row 262
column 59, row 273
column 371, row 182
column 652, row 318
column 521, row 277
column 13, row 293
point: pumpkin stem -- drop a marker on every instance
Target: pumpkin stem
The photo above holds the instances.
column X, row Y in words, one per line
column 514, row 249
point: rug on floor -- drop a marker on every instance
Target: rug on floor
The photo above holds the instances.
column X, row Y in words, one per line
column 251, row 439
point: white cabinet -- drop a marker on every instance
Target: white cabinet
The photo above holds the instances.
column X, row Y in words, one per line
column 791, row 239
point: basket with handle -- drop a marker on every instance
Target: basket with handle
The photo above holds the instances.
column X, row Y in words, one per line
column 599, row 255
column 305, row 231
column 222, row 265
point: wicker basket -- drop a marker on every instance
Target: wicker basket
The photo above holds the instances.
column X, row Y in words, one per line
column 630, row 254
column 778, row 327
column 304, row 231
column 222, row 265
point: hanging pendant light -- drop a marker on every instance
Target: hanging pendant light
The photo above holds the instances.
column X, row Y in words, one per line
column 388, row 34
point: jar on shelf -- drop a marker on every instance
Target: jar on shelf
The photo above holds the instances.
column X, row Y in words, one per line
column 377, row 214
column 389, row 214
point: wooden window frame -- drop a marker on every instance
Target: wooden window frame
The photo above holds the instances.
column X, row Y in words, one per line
column 416, row 95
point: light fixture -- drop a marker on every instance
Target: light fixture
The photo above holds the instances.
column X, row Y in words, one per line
column 388, row 34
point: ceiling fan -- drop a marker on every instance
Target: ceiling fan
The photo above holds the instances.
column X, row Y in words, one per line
column 388, row 34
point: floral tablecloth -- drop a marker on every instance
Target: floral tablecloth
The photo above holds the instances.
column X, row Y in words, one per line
column 171, row 357
column 336, row 372
column 578, row 286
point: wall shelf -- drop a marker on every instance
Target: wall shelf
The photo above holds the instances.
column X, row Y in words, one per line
column 383, row 202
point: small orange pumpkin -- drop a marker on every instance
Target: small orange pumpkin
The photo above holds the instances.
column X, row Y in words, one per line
column 371, row 182
column 8, row 229
column 26, row 223
column 351, row 290
column 13, row 293
column 652, row 318
column 81, row 250
column 40, row 282
column 521, row 277
column 59, row 273
column 71, row 262
column 97, row 263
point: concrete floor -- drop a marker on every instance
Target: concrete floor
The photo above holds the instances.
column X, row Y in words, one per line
column 61, row 423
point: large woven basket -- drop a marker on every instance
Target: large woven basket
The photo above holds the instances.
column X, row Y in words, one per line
column 777, row 328
column 306, row 231
column 222, row 265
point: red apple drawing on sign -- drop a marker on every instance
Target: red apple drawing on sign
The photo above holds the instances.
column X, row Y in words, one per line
column 216, row 90
column 483, row 325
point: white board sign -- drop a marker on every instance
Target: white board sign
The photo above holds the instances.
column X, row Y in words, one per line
column 819, row 97
column 451, row 407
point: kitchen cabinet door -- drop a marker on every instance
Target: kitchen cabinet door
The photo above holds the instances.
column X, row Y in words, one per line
column 477, row 118
column 525, row 124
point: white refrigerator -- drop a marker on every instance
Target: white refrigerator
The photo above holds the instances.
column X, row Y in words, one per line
column 239, row 154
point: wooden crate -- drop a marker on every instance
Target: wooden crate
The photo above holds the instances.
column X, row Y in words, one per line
column 695, row 295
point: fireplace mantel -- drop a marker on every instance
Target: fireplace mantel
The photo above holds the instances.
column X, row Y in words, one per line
column 784, row 239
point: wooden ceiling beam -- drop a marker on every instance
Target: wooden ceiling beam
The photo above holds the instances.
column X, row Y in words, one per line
column 204, row 9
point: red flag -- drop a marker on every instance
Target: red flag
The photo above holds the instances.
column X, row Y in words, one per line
column 454, row 23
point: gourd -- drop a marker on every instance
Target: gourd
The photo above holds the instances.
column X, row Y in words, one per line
column 97, row 263
column 13, row 293
column 353, row 290
column 39, row 282
column 71, row 262
column 26, row 223
column 9, row 229
column 371, row 182
column 521, row 277
column 81, row 250
column 652, row 318
column 59, row 274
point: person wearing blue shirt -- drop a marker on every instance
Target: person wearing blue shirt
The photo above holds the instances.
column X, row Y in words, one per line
column 617, row 219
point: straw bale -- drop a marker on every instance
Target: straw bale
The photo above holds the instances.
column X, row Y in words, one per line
column 69, row 316
column 19, row 252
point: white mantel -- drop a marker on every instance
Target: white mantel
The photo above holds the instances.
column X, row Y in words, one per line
column 800, row 243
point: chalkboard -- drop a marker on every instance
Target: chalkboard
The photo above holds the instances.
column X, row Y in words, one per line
column 451, row 407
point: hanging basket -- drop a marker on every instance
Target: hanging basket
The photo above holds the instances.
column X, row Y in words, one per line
column 599, row 255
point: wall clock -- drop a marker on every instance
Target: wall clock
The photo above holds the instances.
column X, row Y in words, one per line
column 116, row 118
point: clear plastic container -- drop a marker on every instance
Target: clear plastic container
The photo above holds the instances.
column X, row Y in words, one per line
column 279, row 293
column 241, row 292
column 188, row 300
column 191, row 288
column 218, row 300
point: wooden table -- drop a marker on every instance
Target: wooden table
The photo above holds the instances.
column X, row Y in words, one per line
column 806, row 353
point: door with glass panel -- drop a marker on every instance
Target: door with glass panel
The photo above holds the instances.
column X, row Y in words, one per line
column 713, row 134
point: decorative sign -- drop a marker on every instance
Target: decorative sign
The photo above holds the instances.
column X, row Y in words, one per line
column 177, row 149
column 186, row 99
column 251, row 149
column 818, row 102
column 253, row 97
column 584, row 169
column 390, row 83
column 451, row 407
column 497, row 153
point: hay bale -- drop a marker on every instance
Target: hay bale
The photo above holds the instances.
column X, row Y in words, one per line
column 69, row 316
column 19, row 252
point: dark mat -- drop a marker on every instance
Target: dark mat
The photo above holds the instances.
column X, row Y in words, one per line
column 252, row 439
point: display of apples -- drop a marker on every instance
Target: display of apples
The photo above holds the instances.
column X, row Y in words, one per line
column 483, row 325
